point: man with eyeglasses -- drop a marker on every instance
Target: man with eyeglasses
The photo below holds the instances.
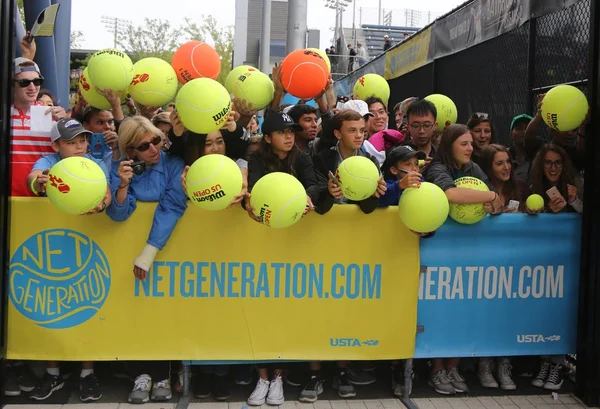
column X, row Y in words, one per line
column 421, row 116
column 27, row 146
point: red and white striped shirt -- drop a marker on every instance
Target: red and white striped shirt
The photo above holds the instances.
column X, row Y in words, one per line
column 26, row 147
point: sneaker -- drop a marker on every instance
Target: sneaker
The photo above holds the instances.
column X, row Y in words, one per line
column 360, row 377
column 202, row 385
column 458, row 382
column 398, row 381
column 243, row 375
column 555, row 378
column 220, row 388
column 484, row 373
column 275, row 396
column 90, row 388
column 141, row 389
column 440, row 382
column 311, row 390
column 161, row 391
column 297, row 378
column 47, row 386
column 25, row 377
column 542, row 375
column 259, row 395
column 343, row 386
column 505, row 375
column 11, row 385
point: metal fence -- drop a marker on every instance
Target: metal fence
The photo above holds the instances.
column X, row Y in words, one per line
column 502, row 76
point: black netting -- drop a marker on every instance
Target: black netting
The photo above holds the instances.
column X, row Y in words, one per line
column 562, row 45
column 417, row 83
column 490, row 77
column 493, row 76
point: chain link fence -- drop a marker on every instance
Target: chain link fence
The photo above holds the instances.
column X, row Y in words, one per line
column 504, row 75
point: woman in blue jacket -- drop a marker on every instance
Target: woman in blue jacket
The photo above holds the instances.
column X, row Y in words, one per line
column 148, row 175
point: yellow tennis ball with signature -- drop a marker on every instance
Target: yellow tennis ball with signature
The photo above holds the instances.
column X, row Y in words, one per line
column 469, row 213
column 76, row 185
column 278, row 200
column 358, row 177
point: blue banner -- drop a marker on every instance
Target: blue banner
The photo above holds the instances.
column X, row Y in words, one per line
column 506, row 286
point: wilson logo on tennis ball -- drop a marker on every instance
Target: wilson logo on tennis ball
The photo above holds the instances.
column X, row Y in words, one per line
column 59, row 278
column 211, row 194
column 222, row 116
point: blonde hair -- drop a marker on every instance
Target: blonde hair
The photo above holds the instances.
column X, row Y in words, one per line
column 132, row 130
column 162, row 118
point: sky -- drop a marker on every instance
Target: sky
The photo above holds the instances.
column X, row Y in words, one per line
column 86, row 15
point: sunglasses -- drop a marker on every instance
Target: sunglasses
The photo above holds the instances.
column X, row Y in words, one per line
column 25, row 83
column 145, row 146
column 480, row 115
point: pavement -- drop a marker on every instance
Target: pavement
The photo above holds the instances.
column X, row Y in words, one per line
column 498, row 402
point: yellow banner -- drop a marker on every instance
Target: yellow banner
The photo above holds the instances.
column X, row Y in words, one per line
column 409, row 56
column 337, row 287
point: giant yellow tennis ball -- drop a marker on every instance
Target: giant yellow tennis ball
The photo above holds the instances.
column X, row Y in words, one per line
column 89, row 94
column 423, row 209
column 213, row 181
column 564, row 108
column 234, row 75
column 534, row 202
column 76, row 185
column 154, row 82
column 358, row 177
column 203, row 105
column 446, row 110
column 278, row 200
column 324, row 55
column 468, row 213
column 110, row 69
column 372, row 85
column 254, row 87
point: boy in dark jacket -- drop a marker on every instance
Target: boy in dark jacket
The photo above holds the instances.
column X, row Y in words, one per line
column 349, row 129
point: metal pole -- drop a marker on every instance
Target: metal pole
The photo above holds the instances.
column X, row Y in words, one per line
column 297, row 25
column 354, row 21
column 379, row 14
column 62, row 45
column 588, row 337
column 265, row 39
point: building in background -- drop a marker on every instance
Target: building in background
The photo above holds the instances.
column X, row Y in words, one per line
column 248, row 26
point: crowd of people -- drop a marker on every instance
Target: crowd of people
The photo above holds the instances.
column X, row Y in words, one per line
column 150, row 150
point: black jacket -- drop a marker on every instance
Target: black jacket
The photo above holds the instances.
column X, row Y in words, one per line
column 327, row 161
column 305, row 173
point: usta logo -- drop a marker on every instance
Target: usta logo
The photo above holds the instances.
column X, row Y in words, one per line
column 536, row 338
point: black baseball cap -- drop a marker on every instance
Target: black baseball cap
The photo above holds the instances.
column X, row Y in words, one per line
column 403, row 152
column 67, row 129
column 278, row 121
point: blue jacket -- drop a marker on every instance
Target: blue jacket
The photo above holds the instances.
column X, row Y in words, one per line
column 392, row 194
column 160, row 183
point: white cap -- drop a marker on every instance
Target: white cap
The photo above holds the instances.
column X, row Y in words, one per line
column 359, row 106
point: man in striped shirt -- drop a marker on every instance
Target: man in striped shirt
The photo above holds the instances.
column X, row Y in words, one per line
column 27, row 146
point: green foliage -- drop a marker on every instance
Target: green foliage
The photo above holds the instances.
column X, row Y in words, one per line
column 154, row 38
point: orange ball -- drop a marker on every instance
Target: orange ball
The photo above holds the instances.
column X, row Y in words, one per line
column 304, row 74
column 196, row 59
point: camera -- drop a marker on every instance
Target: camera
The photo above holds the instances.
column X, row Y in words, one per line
column 138, row 167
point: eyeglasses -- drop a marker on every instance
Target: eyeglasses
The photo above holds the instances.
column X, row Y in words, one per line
column 25, row 83
column 481, row 115
column 425, row 125
column 558, row 164
column 146, row 145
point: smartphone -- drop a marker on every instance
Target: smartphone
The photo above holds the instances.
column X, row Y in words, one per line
column 98, row 147
column 553, row 193
column 333, row 178
column 513, row 205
